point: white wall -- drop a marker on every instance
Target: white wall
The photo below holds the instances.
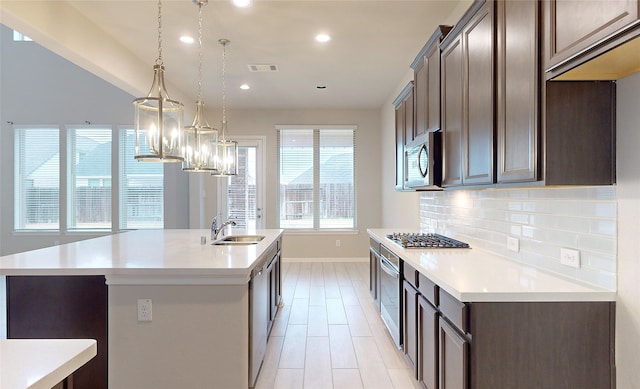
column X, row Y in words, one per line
column 628, row 163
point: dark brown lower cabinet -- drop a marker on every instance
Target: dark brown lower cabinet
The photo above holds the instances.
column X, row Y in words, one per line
column 410, row 330
column 454, row 357
column 427, row 344
column 64, row 307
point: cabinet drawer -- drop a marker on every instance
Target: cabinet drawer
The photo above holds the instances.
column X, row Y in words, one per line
column 455, row 311
column 410, row 274
column 428, row 289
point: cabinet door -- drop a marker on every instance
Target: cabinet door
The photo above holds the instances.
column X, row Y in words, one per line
column 373, row 277
column 432, row 60
column 400, row 109
column 421, row 95
column 274, row 289
column 427, row 344
column 478, row 118
column 408, row 118
column 573, row 26
column 409, row 322
column 518, row 90
column 454, row 358
column 452, row 112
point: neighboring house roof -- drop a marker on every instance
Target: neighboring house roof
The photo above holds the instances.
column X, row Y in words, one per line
column 336, row 170
column 91, row 162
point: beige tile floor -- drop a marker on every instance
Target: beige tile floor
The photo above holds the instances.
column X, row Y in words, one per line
column 329, row 334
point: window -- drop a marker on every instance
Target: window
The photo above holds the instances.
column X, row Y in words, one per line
column 317, row 181
column 141, row 188
column 89, row 178
column 37, row 179
column 87, row 200
column 18, row 37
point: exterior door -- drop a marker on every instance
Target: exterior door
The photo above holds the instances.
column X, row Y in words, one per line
column 241, row 196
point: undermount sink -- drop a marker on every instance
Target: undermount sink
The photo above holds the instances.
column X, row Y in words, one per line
column 238, row 240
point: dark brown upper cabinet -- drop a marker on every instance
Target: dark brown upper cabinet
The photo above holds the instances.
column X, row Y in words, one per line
column 468, row 98
column 403, row 105
column 518, row 90
column 426, row 80
column 577, row 30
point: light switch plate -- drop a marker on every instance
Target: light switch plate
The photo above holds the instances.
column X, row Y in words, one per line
column 513, row 244
column 570, row 257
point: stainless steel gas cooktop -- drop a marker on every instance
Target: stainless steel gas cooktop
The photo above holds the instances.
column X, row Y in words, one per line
column 418, row 240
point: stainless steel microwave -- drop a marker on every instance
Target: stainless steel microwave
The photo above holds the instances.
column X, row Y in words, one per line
column 423, row 164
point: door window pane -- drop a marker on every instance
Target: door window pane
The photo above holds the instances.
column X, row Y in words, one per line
column 37, row 179
column 89, row 179
column 242, row 190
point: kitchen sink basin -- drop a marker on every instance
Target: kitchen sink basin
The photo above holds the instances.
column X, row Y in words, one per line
column 239, row 240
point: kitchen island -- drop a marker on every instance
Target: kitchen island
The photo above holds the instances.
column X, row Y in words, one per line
column 177, row 311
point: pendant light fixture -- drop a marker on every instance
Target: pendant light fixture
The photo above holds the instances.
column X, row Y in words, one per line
column 200, row 138
column 158, row 119
column 227, row 150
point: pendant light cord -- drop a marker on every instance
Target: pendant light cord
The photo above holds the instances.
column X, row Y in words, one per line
column 224, row 43
column 200, row 51
column 159, row 59
column 224, row 85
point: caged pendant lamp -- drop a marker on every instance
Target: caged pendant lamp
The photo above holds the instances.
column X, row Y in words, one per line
column 226, row 150
column 199, row 138
column 158, row 119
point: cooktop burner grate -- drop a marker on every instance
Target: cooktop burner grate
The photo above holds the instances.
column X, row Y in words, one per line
column 420, row 240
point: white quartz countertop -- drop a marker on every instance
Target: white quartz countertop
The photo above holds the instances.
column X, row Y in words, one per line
column 41, row 363
column 476, row 275
column 145, row 253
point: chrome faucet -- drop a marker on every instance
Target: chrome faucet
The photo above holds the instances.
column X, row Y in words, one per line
column 215, row 230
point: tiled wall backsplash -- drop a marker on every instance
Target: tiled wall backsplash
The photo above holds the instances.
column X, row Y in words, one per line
column 543, row 219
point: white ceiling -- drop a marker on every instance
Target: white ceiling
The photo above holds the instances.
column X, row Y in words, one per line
column 373, row 43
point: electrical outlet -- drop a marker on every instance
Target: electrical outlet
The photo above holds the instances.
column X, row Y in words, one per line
column 570, row 257
column 513, row 244
column 145, row 310
column 338, row 243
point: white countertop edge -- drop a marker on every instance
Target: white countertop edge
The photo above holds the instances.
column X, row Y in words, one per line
column 175, row 280
column 589, row 293
column 537, row 297
column 81, row 350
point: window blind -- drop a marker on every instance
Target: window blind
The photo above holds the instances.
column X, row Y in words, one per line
column 89, row 179
column 317, row 180
column 37, row 179
column 141, row 194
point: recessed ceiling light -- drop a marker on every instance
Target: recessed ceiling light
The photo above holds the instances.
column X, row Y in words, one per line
column 323, row 38
column 186, row 39
column 245, row 87
column 242, row 3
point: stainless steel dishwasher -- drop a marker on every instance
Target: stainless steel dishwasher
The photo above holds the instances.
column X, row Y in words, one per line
column 258, row 319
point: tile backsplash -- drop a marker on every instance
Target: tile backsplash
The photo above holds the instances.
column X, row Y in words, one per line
column 543, row 219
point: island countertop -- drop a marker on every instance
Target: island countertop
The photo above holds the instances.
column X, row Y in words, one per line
column 171, row 253
column 476, row 275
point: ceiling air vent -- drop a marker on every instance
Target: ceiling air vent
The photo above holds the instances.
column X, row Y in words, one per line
column 263, row 68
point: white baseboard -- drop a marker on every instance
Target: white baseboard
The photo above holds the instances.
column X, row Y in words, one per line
column 325, row 259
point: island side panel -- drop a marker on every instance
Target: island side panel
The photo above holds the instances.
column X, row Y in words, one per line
column 198, row 337
column 64, row 307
